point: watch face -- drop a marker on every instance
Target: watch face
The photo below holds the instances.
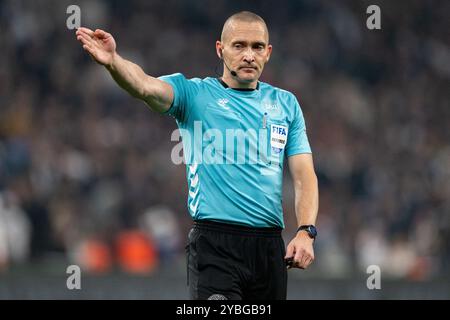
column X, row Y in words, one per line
column 312, row 231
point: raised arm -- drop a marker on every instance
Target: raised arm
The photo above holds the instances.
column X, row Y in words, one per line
column 306, row 208
column 102, row 47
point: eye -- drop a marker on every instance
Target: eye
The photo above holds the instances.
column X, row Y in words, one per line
column 238, row 46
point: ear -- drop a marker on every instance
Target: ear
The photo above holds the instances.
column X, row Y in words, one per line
column 219, row 49
column 269, row 52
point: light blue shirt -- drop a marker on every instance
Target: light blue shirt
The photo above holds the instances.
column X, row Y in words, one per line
column 234, row 143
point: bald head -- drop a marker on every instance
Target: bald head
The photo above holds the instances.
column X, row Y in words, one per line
column 243, row 16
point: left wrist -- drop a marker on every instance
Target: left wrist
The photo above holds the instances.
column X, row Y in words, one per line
column 309, row 230
column 302, row 234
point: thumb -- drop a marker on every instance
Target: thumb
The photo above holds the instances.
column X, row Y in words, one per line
column 289, row 251
column 100, row 33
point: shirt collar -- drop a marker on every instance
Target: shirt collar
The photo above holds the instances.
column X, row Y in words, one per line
column 237, row 89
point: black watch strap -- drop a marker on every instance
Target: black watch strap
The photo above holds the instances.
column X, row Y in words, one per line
column 311, row 229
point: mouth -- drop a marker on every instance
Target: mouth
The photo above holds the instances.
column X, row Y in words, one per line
column 247, row 69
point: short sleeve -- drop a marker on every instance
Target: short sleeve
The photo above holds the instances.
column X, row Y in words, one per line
column 184, row 90
column 297, row 138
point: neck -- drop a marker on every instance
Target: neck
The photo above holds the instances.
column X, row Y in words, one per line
column 235, row 84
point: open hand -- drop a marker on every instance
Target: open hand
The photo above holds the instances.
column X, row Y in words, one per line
column 99, row 44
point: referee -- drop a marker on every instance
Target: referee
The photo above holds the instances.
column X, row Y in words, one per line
column 235, row 249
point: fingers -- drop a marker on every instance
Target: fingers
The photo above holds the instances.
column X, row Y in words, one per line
column 87, row 31
column 289, row 252
column 87, row 45
column 299, row 254
column 84, row 38
column 298, row 258
column 101, row 34
column 306, row 261
column 89, row 34
column 303, row 259
column 89, row 49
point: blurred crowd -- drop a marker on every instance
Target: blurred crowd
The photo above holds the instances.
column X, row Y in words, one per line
column 86, row 171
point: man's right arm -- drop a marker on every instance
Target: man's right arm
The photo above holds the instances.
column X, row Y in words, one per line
column 102, row 47
column 156, row 93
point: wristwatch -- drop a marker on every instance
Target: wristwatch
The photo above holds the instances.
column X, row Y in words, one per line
column 310, row 229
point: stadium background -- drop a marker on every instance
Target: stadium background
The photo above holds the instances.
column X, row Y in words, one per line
column 86, row 176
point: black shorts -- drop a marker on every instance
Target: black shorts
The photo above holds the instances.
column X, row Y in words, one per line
column 235, row 262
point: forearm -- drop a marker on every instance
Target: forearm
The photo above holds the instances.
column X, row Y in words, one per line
column 156, row 93
column 306, row 199
column 128, row 76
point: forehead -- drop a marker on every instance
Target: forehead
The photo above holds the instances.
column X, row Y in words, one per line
column 245, row 31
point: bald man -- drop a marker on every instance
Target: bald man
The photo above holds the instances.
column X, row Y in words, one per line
column 236, row 132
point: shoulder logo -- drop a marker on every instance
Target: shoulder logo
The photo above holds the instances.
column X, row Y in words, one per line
column 223, row 103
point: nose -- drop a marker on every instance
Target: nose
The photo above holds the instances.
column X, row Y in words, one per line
column 249, row 56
